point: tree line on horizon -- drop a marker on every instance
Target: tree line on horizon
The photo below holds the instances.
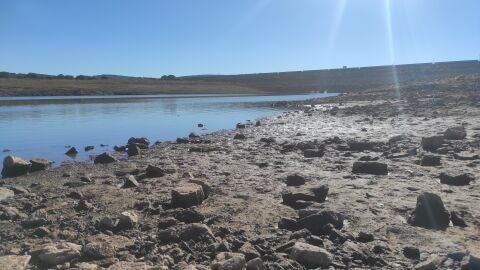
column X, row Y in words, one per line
column 11, row 75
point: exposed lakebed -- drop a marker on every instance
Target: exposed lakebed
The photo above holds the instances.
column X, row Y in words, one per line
column 47, row 126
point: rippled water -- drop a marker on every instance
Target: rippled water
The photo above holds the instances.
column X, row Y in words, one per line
column 45, row 126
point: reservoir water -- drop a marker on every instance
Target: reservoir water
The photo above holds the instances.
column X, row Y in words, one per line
column 47, row 126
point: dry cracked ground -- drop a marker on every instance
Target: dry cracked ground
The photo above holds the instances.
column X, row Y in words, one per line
column 343, row 183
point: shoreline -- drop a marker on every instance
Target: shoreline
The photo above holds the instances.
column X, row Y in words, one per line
column 243, row 181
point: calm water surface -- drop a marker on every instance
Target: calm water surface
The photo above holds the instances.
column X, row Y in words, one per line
column 45, row 126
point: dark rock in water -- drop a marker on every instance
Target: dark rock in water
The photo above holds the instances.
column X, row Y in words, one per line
column 200, row 125
column 120, row 148
column 15, row 166
column 455, row 133
column 104, row 158
column 154, row 171
column 458, row 180
column 142, row 142
column 130, row 182
column 411, row 253
column 295, row 180
column 89, row 148
column 311, row 153
column 430, row 212
column 240, row 125
column 258, row 123
column 71, row 152
column 375, row 168
column 239, row 136
column 133, row 150
column 432, row 143
column 315, row 223
column 316, row 193
column 40, row 164
column 429, row 160
column 193, row 135
column 182, row 140
column 457, row 219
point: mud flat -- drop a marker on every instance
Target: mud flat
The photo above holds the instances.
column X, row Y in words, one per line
column 360, row 181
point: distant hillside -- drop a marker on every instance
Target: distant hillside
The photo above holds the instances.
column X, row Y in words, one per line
column 346, row 79
column 333, row 80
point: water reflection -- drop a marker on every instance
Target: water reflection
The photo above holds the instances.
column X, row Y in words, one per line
column 44, row 127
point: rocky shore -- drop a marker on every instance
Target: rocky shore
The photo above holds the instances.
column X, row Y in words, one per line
column 368, row 180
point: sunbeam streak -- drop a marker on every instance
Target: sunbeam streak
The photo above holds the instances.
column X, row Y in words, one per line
column 391, row 48
column 337, row 21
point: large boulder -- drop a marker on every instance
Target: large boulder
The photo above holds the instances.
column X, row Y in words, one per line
column 311, row 256
column 15, row 166
column 370, row 167
column 187, row 195
column 40, row 164
column 104, row 158
column 430, row 212
column 14, row 262
column 455, row 133
column 57, row 253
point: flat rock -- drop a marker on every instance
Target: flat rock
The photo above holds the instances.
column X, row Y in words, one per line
column 5, row 193
column 430, row 160
column 430, row 212
column 310, row 256
column 370, row 167
column 228, row 261
column 433, row 142
column 455, row 133
column 130, row 182
column 40, row 164
column 315, row 223
column 187, row 195
column 194, row 230
column 154, row 171
column 315, row 193
column 57, row 253
column 295, row 180
column 98, row 250
column 14, row 262
column 431, row 263
column 457, row 180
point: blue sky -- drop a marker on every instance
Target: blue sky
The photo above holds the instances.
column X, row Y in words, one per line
column 185, row 37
